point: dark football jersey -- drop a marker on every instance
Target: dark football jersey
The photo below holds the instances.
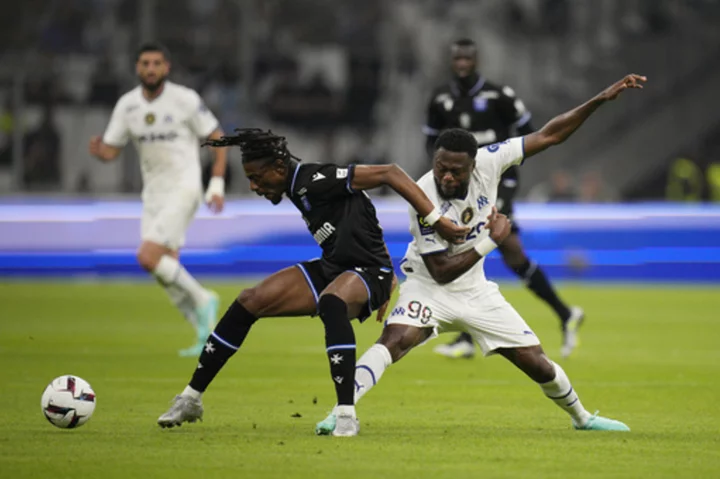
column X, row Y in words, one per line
column 342, row 221
column 490, row 112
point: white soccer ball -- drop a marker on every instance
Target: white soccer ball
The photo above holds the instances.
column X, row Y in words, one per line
column 68, row 402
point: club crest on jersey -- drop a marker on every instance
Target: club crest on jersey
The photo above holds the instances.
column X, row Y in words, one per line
column 150, row 118
column 480, row 104
column 482, row 202
column 465, row 121
column 425, row 228
column 467, row 215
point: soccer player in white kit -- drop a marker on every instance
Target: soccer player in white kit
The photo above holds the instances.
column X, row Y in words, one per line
column 166, row 122
column 446, row 288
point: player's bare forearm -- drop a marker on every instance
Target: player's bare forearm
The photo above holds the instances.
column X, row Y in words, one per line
column 563, row 126
column 446, row 269
column 106, row 153
column 560, row 128
column 371, row 176
column 220, row 154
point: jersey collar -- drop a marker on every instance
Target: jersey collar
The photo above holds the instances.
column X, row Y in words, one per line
column 457, row 91
column 293, row 169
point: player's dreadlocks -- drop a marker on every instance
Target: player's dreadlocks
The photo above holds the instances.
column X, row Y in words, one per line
column 256, row 145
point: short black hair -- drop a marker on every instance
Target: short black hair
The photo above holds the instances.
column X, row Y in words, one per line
column 256, row 145
column 464, row 42
column 457, row 140
column 153, row 47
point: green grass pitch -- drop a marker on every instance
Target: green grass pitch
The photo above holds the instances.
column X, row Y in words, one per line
column 649, row 357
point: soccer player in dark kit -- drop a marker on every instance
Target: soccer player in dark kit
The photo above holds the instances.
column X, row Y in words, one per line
column 493, row 113
column 353, row 278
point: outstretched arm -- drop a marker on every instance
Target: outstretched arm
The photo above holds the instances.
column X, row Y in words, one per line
column 563, row 126
column 366, row 177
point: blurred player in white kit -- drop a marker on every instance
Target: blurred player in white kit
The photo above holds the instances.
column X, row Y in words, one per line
column 166, row 122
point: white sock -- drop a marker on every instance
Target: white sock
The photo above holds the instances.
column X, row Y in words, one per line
column 172, row 273
column 182, row 301
column 562, row 393
column 190, row 392
column 370, row 368
column 368, row 371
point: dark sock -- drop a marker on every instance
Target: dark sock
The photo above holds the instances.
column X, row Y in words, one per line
column 535, row 279
column 227, row 338
column 463, row 337
column 340, row 346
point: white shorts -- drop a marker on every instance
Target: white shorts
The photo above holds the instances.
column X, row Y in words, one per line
column 483, row 313
column 165, row 221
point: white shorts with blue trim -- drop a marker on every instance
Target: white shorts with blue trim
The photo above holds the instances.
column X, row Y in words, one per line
column 483, row 313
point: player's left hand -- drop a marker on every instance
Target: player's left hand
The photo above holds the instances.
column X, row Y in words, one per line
column 450, row 231
column 215, row 194
column 383, row 309
column 216, row 204
column 499, row 225
column 630, row 81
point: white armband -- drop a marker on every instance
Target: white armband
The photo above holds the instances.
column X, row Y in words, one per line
column 216, row 187
column 432, row 217
column 485, row 246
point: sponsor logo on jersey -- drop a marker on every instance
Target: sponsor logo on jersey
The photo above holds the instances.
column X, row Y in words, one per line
column 341, row 173
column 318, row 176
column 167, row 119
column 482, row 202
column 323, row 233
column 425, row 228
column 467, row 215
column 489, row 95
column 150, row 118
column 152, row 137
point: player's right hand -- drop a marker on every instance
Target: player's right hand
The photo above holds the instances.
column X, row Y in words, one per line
column 95, row 146
column 499, row 225
column 450, row 231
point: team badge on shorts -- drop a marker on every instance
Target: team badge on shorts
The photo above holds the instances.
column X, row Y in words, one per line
column 467, row 215
column 150, row 118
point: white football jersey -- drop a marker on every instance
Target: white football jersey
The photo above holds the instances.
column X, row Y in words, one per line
column 490, row 163
column 166, row 133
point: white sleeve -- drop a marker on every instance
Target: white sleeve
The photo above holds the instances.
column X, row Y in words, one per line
column 500, row 156
column 116, row 133
column 426, row 239
column 202, row 122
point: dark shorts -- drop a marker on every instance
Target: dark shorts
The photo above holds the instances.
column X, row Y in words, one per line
column 378, row 281
column 507, row 189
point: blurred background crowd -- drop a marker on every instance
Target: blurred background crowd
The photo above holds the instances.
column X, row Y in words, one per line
column 349, row 81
